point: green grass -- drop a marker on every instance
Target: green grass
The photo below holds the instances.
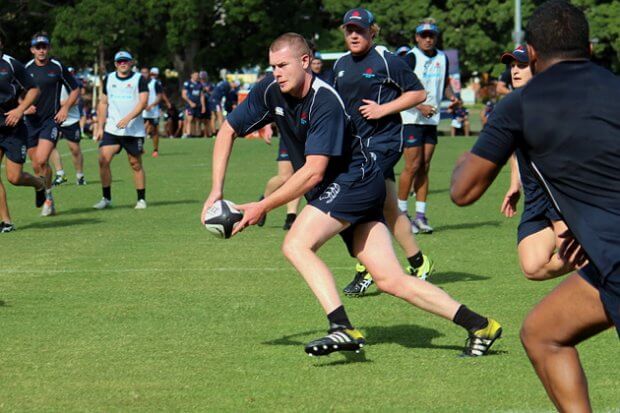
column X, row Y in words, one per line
column 124, row 310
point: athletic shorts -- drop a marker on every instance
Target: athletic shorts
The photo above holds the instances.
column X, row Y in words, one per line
column 71, row 133
column 538, row 214
column 214, row 106
column 13, row 142
column 132, row 144
column 282, row 152
column 47, row 129
column 355, row 203
column 387, row 160
column 195, row 112
column 151, row 121
column 417, row 135
column 609, row 291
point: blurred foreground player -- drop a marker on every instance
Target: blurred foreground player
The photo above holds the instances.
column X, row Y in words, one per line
column 565, row 122
column 345, row 192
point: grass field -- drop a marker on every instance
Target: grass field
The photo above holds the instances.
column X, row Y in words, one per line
column 124, row 310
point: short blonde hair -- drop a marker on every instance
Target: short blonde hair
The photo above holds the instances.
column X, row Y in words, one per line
column 293, row 40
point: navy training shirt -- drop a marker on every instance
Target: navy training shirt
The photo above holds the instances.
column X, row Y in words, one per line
column 194, row 89
column 49, row 78
column 220, row 91
column 381, row 76
column 566, row 123
column 13, row 80
column 316, row 124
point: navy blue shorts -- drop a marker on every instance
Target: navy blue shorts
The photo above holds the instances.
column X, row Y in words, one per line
column 417, row 135
column 132, row 144
column 71, row 133
column 13, row 142
column 538, row 214
column 609, row 291
column 282, row 152
column 151, row 121
column 356, row 203
column 387, row 160
column 47, row 129
column 197, row 112
column 214, row 106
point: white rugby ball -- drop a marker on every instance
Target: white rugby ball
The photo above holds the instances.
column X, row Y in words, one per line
column 222, row 218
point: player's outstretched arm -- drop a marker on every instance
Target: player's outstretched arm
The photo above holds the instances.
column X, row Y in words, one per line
column 373, row 110
column 306, row 178
column 221, row 155
column 471, row 178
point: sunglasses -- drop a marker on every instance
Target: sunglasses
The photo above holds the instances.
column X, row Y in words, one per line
column 122, row 61
column 424, row 35
column 40, row 46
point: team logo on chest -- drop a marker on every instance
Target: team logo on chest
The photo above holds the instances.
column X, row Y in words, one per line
column 304, row 118
column 368, row 73
column 51, row 73
column 4, row 71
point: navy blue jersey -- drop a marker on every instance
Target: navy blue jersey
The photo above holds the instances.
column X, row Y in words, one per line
column 380, row 76
column 220, row 91
column 13, row 80
column 327, row 76
column 314, row 125
column 566, row 123
column 194, row 90
column 49, row 78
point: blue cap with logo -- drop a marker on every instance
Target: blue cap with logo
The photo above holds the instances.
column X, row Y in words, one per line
column 358, row 17
column 40, row 40
column 427, row 27
column 122, row 55
column 519, row 54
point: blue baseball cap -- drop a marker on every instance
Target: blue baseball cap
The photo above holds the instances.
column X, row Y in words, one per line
column 358, row 17
column 122, row 55
column 427, row 27
column 519, row 54
column 39, row 40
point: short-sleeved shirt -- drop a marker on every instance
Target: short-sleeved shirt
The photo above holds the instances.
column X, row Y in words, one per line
column 316, row 124
column 49, row 78
column 13, row 80
column 194, row 90
column 566, row 123
column 381, row 76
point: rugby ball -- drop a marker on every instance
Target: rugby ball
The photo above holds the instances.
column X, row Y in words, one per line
column 222, row 218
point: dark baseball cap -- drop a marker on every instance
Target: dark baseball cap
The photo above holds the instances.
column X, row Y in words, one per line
column 40, row 40
column 358, row 17
column 519, row 54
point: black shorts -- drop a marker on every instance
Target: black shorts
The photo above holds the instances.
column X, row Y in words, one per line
column 356, row 203
column 47, row 129
column 71, row 133
column 417, row 135
column 132, row 144
column 387, row 161
column 282, row 152
column 538, row 214
column 13, row 142
column 151, row 121
column 609, row 291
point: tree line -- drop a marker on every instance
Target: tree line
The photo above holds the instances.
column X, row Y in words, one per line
column 214, row 34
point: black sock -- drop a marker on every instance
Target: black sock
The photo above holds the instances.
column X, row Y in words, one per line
column 339, row 317
column 469, row 320
column 141, row 194
column 291, row 217
column 107, row 192
column 417, row 260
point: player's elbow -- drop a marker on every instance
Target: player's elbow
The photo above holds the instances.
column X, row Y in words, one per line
column 461, row 196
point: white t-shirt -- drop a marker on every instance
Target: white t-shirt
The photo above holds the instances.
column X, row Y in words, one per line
column 74, row 112
column 154, row 88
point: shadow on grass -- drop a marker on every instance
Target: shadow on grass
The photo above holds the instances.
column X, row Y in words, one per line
column 3, row 303
column 58, row 223
column 450, row 277
column 406, row 335
column 468, row 225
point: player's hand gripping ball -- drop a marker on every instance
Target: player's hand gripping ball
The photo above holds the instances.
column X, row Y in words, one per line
column 222, row 218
